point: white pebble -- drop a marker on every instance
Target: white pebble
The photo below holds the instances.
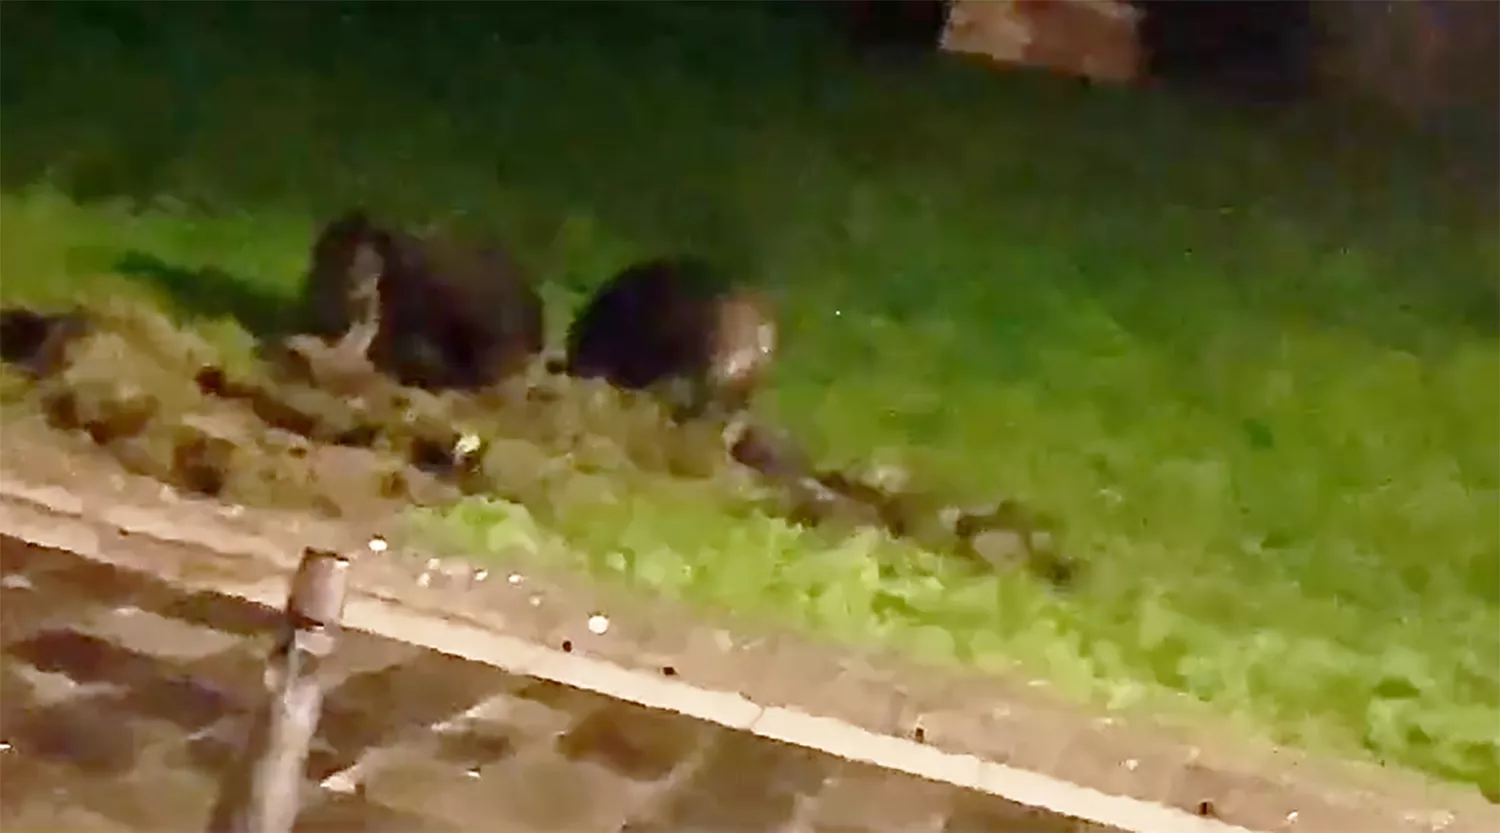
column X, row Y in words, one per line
column 598, row 623
column 4, row 747
column 16, row 581
column 433, row 564
column 424, row 579
column 516, row 578
column 378, row 544
column 466, row 445
column 481, row 575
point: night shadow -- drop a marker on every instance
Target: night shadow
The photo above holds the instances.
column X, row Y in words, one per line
column 53, row 571
column 1249, row 52
column 131, row 682
column 213, row 293
column 425, row 690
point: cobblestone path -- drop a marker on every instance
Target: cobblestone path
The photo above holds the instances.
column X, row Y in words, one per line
column 123, row 698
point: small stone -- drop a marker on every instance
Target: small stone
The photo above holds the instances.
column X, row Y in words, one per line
column 515, row 578
column 377, row 544
column 424, row 579
column 16, row 581
column 466, row 445
column 598, row 624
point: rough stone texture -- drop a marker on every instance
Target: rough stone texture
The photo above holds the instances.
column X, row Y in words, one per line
column 1093, row 39
column 1191, row 767
column 123, row 698
column 1423, row 58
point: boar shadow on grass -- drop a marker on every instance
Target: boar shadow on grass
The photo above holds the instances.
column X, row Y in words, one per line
column 210, row 292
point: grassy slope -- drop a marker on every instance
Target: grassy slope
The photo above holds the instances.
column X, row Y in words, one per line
column 1254, row 368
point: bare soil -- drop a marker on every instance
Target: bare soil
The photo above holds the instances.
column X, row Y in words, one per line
column 306, row 425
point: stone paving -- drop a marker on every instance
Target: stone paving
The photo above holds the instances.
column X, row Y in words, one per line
column 122, row 697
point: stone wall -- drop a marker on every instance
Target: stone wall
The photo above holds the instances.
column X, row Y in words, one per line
column 1429, row 58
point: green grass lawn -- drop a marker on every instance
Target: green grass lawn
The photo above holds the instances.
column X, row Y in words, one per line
column 1250, row 362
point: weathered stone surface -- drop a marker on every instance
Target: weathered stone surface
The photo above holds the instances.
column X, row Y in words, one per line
column 1423, row 58
column 1094, row 39
column 123, row 699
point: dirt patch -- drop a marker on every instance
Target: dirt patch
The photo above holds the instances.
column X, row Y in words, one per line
column 308, row 425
